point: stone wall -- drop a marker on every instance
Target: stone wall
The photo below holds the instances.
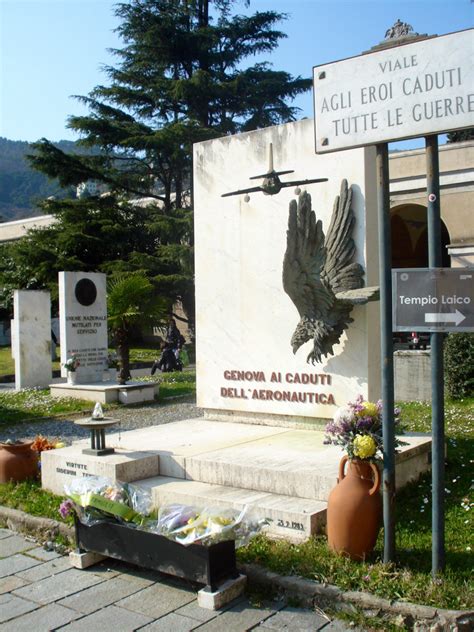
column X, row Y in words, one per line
column 412, row 373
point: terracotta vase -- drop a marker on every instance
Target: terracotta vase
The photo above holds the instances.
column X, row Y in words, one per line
column 17, row 461
column 354, row 512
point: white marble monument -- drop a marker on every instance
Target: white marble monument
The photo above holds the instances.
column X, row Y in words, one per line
column 83, row 323
column 246, row 369
column 31, row 338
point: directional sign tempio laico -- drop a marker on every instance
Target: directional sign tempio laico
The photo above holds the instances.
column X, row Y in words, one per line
column 433, row 299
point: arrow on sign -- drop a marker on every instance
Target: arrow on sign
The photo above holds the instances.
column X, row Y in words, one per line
column 451, row 317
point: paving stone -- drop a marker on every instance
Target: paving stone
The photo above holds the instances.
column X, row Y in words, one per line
column 111, row 619
column 104, row 570
column 193, row 611
column 12, row 606
column 46, row 569
column 16, row 563
column 5, row 533
column 53, row 588
column 15, row 544
column 42, row 554
column 106, row 593
column 338, row 626
column 43, row 619
column 158, row 600
column 11, row 582
column 239, row 618
column 296, row 620
column 172, row 623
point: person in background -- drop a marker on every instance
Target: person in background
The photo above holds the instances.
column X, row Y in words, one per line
column 168, row 361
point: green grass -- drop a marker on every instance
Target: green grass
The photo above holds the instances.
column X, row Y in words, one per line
column 176, row 384
column 410, row 577
column 34, row 404
column 29, row 497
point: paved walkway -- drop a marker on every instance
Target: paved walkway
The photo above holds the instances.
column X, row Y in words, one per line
column 39, row 590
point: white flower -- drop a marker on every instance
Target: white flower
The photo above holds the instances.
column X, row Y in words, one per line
column 344, row 414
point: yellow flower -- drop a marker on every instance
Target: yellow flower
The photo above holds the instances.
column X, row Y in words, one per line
column 59, row 444
column 364, row 446
column 369, row 410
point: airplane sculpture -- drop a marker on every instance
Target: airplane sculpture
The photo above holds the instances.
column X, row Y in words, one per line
column 272, row 184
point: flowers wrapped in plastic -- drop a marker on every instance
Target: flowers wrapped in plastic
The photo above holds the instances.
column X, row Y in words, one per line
column 206, row 525
column 97, row 499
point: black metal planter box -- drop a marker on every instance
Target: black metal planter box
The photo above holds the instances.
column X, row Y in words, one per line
column 209, row 565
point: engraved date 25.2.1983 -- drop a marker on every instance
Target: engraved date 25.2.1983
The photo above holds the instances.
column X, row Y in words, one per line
column 286, row 524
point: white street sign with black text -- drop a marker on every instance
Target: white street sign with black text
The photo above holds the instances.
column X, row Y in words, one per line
column 412, row 90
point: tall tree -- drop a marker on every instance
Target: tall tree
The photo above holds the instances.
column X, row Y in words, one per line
column 179, row 80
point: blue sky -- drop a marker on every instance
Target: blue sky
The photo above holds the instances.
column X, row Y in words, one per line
column 52, row 49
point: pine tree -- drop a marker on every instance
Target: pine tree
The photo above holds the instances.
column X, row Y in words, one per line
column 178, row 81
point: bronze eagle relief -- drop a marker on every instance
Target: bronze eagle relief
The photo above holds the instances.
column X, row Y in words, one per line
column 319, row 274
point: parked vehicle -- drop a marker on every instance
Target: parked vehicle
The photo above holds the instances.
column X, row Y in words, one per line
column 418, row 340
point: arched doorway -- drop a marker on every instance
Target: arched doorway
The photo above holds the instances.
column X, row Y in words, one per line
column 410, row 237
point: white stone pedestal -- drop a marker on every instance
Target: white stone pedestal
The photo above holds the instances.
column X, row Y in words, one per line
column 31, row 339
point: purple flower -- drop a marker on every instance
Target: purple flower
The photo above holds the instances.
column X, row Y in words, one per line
column 65, row 508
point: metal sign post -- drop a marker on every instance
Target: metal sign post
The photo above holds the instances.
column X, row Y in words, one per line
column 437, row 381
column 386, row 344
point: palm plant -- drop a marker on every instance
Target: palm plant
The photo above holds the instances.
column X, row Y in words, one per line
column 131, row 301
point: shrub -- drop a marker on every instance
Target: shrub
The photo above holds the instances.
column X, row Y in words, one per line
column 459, row 365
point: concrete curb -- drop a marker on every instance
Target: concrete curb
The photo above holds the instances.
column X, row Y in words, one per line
column 327, row 597
column 44, row 528
column 309, row 593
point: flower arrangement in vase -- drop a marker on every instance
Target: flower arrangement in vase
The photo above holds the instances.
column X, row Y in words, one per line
column 354, row 506
column 71, row 365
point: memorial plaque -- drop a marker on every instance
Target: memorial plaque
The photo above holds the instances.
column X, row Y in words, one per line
column 412, row 90
column 83, row 323
column 433, row 299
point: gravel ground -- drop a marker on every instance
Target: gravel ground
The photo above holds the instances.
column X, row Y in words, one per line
column 129, row 418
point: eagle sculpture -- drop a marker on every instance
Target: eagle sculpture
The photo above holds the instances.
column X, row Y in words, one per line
column 319, row 275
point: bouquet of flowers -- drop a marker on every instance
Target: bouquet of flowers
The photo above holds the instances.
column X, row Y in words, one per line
column 206, row 525
column 71, row 364
column 98, row 499
column 357, row 428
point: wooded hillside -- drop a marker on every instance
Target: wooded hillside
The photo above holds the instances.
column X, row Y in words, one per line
column 20, row 185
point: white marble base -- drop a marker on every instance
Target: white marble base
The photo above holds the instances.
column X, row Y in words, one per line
column 283, row 474
column 61, row 466
column 106, row 392
column 84, row 559
column 228, row 591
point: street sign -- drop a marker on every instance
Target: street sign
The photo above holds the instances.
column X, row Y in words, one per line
column 405, row 91
column 433, row 299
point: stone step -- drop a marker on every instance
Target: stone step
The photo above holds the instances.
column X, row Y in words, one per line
column 291, row 518
column 294, row 464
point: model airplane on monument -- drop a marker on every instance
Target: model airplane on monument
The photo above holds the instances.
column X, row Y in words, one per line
column 272, row 184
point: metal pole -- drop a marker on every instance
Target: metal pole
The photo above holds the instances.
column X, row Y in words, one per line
column 385, row 272
column 437, row 377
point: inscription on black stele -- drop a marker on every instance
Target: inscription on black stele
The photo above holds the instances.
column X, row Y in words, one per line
column 86, row 292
